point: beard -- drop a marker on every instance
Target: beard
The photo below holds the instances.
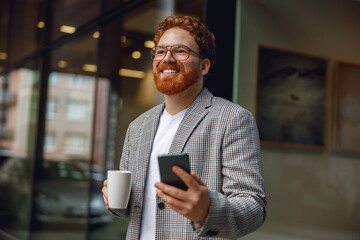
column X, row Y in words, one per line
column 170, row 86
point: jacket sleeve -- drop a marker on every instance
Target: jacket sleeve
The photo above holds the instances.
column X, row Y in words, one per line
column 240, row 208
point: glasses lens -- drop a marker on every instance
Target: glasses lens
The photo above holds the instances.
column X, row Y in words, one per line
column 180, row 52
column 158, row 53
column 177, row 52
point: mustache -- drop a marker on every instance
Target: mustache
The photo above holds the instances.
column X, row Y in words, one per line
column 164, row 66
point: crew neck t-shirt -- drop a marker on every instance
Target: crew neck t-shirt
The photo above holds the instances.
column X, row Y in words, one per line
column 165, row 134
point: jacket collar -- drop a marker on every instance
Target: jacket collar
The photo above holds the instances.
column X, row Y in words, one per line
column 193, row 116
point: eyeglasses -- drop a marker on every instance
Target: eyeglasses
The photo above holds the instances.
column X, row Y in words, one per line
column 178, row 52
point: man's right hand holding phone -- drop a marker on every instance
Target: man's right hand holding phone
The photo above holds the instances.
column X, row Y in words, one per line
column 194, row 203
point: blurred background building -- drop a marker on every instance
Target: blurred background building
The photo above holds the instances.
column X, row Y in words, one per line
column 75, row 73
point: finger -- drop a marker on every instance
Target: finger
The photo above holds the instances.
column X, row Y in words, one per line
column 106, row 201
column 185, row 177
column 105, row 195
column 171, row 191
column 104, row 189
column 197, row 178
column 173, row 203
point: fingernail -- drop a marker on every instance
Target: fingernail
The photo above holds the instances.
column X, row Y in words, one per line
column 176, row 168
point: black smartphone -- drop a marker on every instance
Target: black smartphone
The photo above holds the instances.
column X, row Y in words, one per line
column 166, row 162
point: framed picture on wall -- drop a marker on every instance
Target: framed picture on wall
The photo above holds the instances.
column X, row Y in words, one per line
column 291, row 98
column 346, row 127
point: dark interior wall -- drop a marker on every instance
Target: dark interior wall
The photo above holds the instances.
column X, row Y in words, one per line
column 220, row 19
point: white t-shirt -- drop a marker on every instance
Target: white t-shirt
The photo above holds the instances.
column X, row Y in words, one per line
column 165, row 134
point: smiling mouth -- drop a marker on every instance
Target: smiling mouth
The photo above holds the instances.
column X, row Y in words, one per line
column 169, row 71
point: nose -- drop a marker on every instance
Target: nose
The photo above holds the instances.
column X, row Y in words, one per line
column 168, row 55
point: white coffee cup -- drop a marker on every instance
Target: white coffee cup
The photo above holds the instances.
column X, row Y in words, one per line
column 119, row 188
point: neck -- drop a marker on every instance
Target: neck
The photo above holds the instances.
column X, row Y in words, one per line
column 178, row 102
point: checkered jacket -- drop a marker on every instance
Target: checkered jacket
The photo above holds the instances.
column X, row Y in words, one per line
column 222, row 141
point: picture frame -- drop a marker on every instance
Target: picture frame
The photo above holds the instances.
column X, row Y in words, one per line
column 292, row 97
column 346, row 121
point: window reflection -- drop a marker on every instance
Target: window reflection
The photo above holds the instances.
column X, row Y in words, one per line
column 51, row 108
column 62, row 197
column 17, row 96
column 76, row 110
column 74, row 143
column 50, row 142
column 17, row 109
column 68, row 16
column 69, row 111
column 24, row 36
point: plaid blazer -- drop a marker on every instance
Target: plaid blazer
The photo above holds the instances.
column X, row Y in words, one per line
column 222, row 141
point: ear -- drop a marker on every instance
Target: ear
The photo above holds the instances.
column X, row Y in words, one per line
column 205, row 66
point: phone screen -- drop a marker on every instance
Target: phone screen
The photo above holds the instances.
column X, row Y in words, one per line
column 166, row 162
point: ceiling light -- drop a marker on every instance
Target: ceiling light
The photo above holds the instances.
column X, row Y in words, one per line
column 96, row 34
column 3, row 55
column 136, row 55
column 89, row 68
column 149, row 44
column 62, row 64
column 41, row 24
column 131, row 73
column 67, row 29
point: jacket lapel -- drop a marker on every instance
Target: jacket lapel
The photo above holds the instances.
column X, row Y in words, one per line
column 147, row 135
column 196, row 112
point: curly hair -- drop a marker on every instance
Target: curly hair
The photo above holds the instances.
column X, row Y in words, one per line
column 203, row 37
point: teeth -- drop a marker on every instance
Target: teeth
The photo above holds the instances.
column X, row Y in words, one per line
column 169, row 71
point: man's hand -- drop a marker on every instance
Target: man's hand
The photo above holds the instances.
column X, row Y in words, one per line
column 194, row 203
column 105, row 194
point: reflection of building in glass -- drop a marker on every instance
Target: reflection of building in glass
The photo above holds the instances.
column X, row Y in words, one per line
column 69, row 114
column 16, row 101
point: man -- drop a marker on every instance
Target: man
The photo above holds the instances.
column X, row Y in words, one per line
column 225, row 196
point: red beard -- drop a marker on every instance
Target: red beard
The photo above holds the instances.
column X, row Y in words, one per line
column 172, row 86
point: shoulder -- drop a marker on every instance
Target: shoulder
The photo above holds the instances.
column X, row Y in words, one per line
column 137, row 122
column 228, row 109
column 218, row 106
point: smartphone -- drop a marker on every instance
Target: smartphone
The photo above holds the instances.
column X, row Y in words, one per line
column 166, row 162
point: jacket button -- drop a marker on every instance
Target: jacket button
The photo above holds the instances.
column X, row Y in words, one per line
column 161, row 205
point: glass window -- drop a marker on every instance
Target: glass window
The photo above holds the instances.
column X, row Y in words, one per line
column 63, row 188
column 50, row 142
column 53, row 78
column 4, row 26
column 51, row 108
column 26, row 33
column 4, row 96
column 74, row 143
column 3, row 128
column 17, row 114
column 76, row 110
column 68, row 16
column 79, row 80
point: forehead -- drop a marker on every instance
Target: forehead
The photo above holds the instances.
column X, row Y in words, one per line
column 177, row 36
